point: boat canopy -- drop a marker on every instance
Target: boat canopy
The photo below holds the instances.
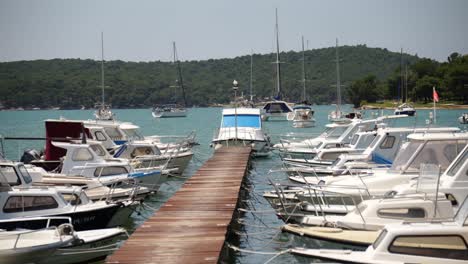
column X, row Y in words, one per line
column 305, row 107
column 277, row 107
column 246, row 117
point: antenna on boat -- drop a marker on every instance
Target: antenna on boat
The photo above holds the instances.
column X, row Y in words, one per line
column 278, row 68
column 303, row 73
column 401, row 74
column 235, row 87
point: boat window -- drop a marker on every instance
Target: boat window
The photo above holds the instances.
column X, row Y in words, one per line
column 335, row 132
column 16, row 204
column 110, row 171
column 402, row 213
column 72, row 199
column 98, row 149
column 407, row 150
column 141, row 151
column 332, row 155
column 26, row 176
column 100, row 136
column 388, row 142
column 113, row 133
column 242, row 121
column 379, row 239
column 458, row 164
column 437, row 152
column 10, row 175
column 437, row 246
column 376, row 139
column 355, row 139
column 82, row 154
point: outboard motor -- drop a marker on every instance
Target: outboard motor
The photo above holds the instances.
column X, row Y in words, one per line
column 30, row 155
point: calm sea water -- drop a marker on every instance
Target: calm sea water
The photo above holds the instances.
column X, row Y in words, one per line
column 258, row 231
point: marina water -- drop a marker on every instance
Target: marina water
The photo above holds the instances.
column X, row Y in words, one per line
column 258, row 231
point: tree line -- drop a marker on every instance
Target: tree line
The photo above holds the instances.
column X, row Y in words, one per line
column 368, row 74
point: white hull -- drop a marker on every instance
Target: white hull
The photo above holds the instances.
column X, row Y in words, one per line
column 169, row 114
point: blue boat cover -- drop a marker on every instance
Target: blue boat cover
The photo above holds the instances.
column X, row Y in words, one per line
column 242, row 121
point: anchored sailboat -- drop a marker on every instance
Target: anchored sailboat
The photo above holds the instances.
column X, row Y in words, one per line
column 337, row 115
column 174, row 109
column 302, row 115
column 103, row 111
column 277, row 109
column 405, row 108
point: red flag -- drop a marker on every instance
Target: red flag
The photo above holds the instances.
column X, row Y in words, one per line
column 435, row 96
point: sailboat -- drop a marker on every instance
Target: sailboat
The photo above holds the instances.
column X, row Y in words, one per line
column 338, row 116
column 103, row 111
column 173, row 110
column 302, row 115
column 405, row 108
column 276, row 109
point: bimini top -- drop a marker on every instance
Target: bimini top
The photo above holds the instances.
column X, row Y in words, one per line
column 277, row 107
column 246, row 117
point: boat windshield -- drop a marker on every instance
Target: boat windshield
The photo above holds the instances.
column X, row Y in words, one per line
column 98, row 149
column 434, row 152
column 10, row 175
column 242, row 121
column 132, row 133
column 406, row 151
column 380, row 238
column 333, row 132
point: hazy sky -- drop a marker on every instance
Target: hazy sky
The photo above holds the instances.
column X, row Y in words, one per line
column 144, row 30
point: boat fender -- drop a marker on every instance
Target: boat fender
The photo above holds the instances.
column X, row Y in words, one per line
column 65, row 229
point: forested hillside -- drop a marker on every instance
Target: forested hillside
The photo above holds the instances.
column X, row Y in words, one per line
column 72, row 83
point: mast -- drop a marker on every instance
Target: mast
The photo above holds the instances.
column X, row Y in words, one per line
column 278, row 68
column 251, row 75
column 179, row 72
column 400, row 92
column 303, row 73
column 338, row 85
column 406, row 82
column 102, row 67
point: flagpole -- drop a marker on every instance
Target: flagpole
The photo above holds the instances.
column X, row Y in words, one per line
column 434, row 101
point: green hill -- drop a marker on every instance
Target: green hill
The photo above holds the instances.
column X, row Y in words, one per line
column 71, row 83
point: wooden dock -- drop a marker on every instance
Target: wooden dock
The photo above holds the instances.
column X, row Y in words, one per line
column 191, row 226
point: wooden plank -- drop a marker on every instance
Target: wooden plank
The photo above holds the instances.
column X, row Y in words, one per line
column 191, row 226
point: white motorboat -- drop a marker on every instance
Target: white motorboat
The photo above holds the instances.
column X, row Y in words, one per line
column 431, row 242
column 50, row 201
column 463, row 119
column 32, row 246
column 405, row 109
column 242, row 126
column 302, row 116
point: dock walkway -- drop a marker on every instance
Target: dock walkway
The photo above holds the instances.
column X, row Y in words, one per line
column 191, row 226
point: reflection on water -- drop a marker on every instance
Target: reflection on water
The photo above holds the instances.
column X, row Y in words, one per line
column 258, row 231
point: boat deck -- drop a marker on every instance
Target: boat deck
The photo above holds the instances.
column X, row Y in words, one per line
column 191, row 226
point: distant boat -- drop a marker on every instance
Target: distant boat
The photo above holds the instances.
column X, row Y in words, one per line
column 276, row 109
column 103, row 111
column 405, row 108
column 173, row 110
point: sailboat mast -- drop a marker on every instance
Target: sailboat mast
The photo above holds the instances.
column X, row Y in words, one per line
column 406, row 82
column 179, row 72
column 400, row 92
column 102, row 67
column 338, row 84
column 251, row 75
column 303, row 73
column 278, row 69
